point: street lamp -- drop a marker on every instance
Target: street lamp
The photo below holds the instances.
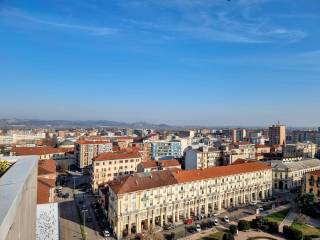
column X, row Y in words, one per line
column 84, row 220
column 74, row 184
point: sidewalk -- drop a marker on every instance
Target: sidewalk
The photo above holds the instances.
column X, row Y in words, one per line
column 245, row 235
column 199, row 235
column 288, row 220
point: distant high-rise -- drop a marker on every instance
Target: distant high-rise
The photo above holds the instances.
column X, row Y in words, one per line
column 277, row 134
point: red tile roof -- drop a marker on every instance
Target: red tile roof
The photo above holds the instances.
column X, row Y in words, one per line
column 134, row 183
column 164, row 178
column 163, row 163
column 214, row 172
column 149, row 164
column 18, row 151
column 43, row 189
column 46, row 167
column 117, row 155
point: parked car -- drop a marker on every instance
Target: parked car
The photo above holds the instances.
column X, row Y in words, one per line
column 226, row 219
column 210, row 224
column 192, row 229
column 58, row 189
column 188, row 221
column 204, row 225
column 253, row 203
column 216, row 222
column 198, row 228
column 105, row 233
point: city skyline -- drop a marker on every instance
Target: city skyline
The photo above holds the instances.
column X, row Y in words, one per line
column 202, row 63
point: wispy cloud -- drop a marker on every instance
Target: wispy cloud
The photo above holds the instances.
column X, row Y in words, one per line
column 168, row 20
column 235, row 21
column 25, row 18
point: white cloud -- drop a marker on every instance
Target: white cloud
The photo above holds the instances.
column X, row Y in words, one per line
column 235, row 21
column 24, row 18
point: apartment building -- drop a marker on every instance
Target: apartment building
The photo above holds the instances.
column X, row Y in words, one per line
column 110, row 165
column 289, row 174
column 305, row 136
column 153, row 165
column 312, row 183
column 238, row 135
column 162, row 149
column 277, row 135
column 122, row 142
column 261, row 150
column 144, row 150
column 86, row 150
column 21, row 137
column 59, row 155
column 203, row 157
column 304, row 150
column 139, row 201
column 243, row 150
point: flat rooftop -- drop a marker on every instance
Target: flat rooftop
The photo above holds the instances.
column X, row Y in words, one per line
column 11, row 189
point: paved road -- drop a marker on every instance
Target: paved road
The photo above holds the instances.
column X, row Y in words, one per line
column 288, row 220
column 69, row 221
column 69, row 216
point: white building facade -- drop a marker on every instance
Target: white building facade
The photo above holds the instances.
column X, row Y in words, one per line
column 146, row 200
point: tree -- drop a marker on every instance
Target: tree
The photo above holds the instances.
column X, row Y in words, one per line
column 243, row 225
column 291, row 233
column 296, row 234
column 273, row 227
column 228, row 236
column 4, row 165
column 233, row 229
column 257, row 223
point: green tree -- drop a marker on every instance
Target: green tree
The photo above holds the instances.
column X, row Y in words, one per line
column 243, row 225
column 233, row 229
column 273, row 227
column 4, row 165
column 228, row 236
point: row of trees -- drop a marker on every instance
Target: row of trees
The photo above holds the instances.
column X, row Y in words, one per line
column 259, row 223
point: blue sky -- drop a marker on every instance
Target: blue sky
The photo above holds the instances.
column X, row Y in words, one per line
column 218, row 62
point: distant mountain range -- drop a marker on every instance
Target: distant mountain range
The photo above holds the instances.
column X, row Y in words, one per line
column 35, row 123
column 62, row 124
